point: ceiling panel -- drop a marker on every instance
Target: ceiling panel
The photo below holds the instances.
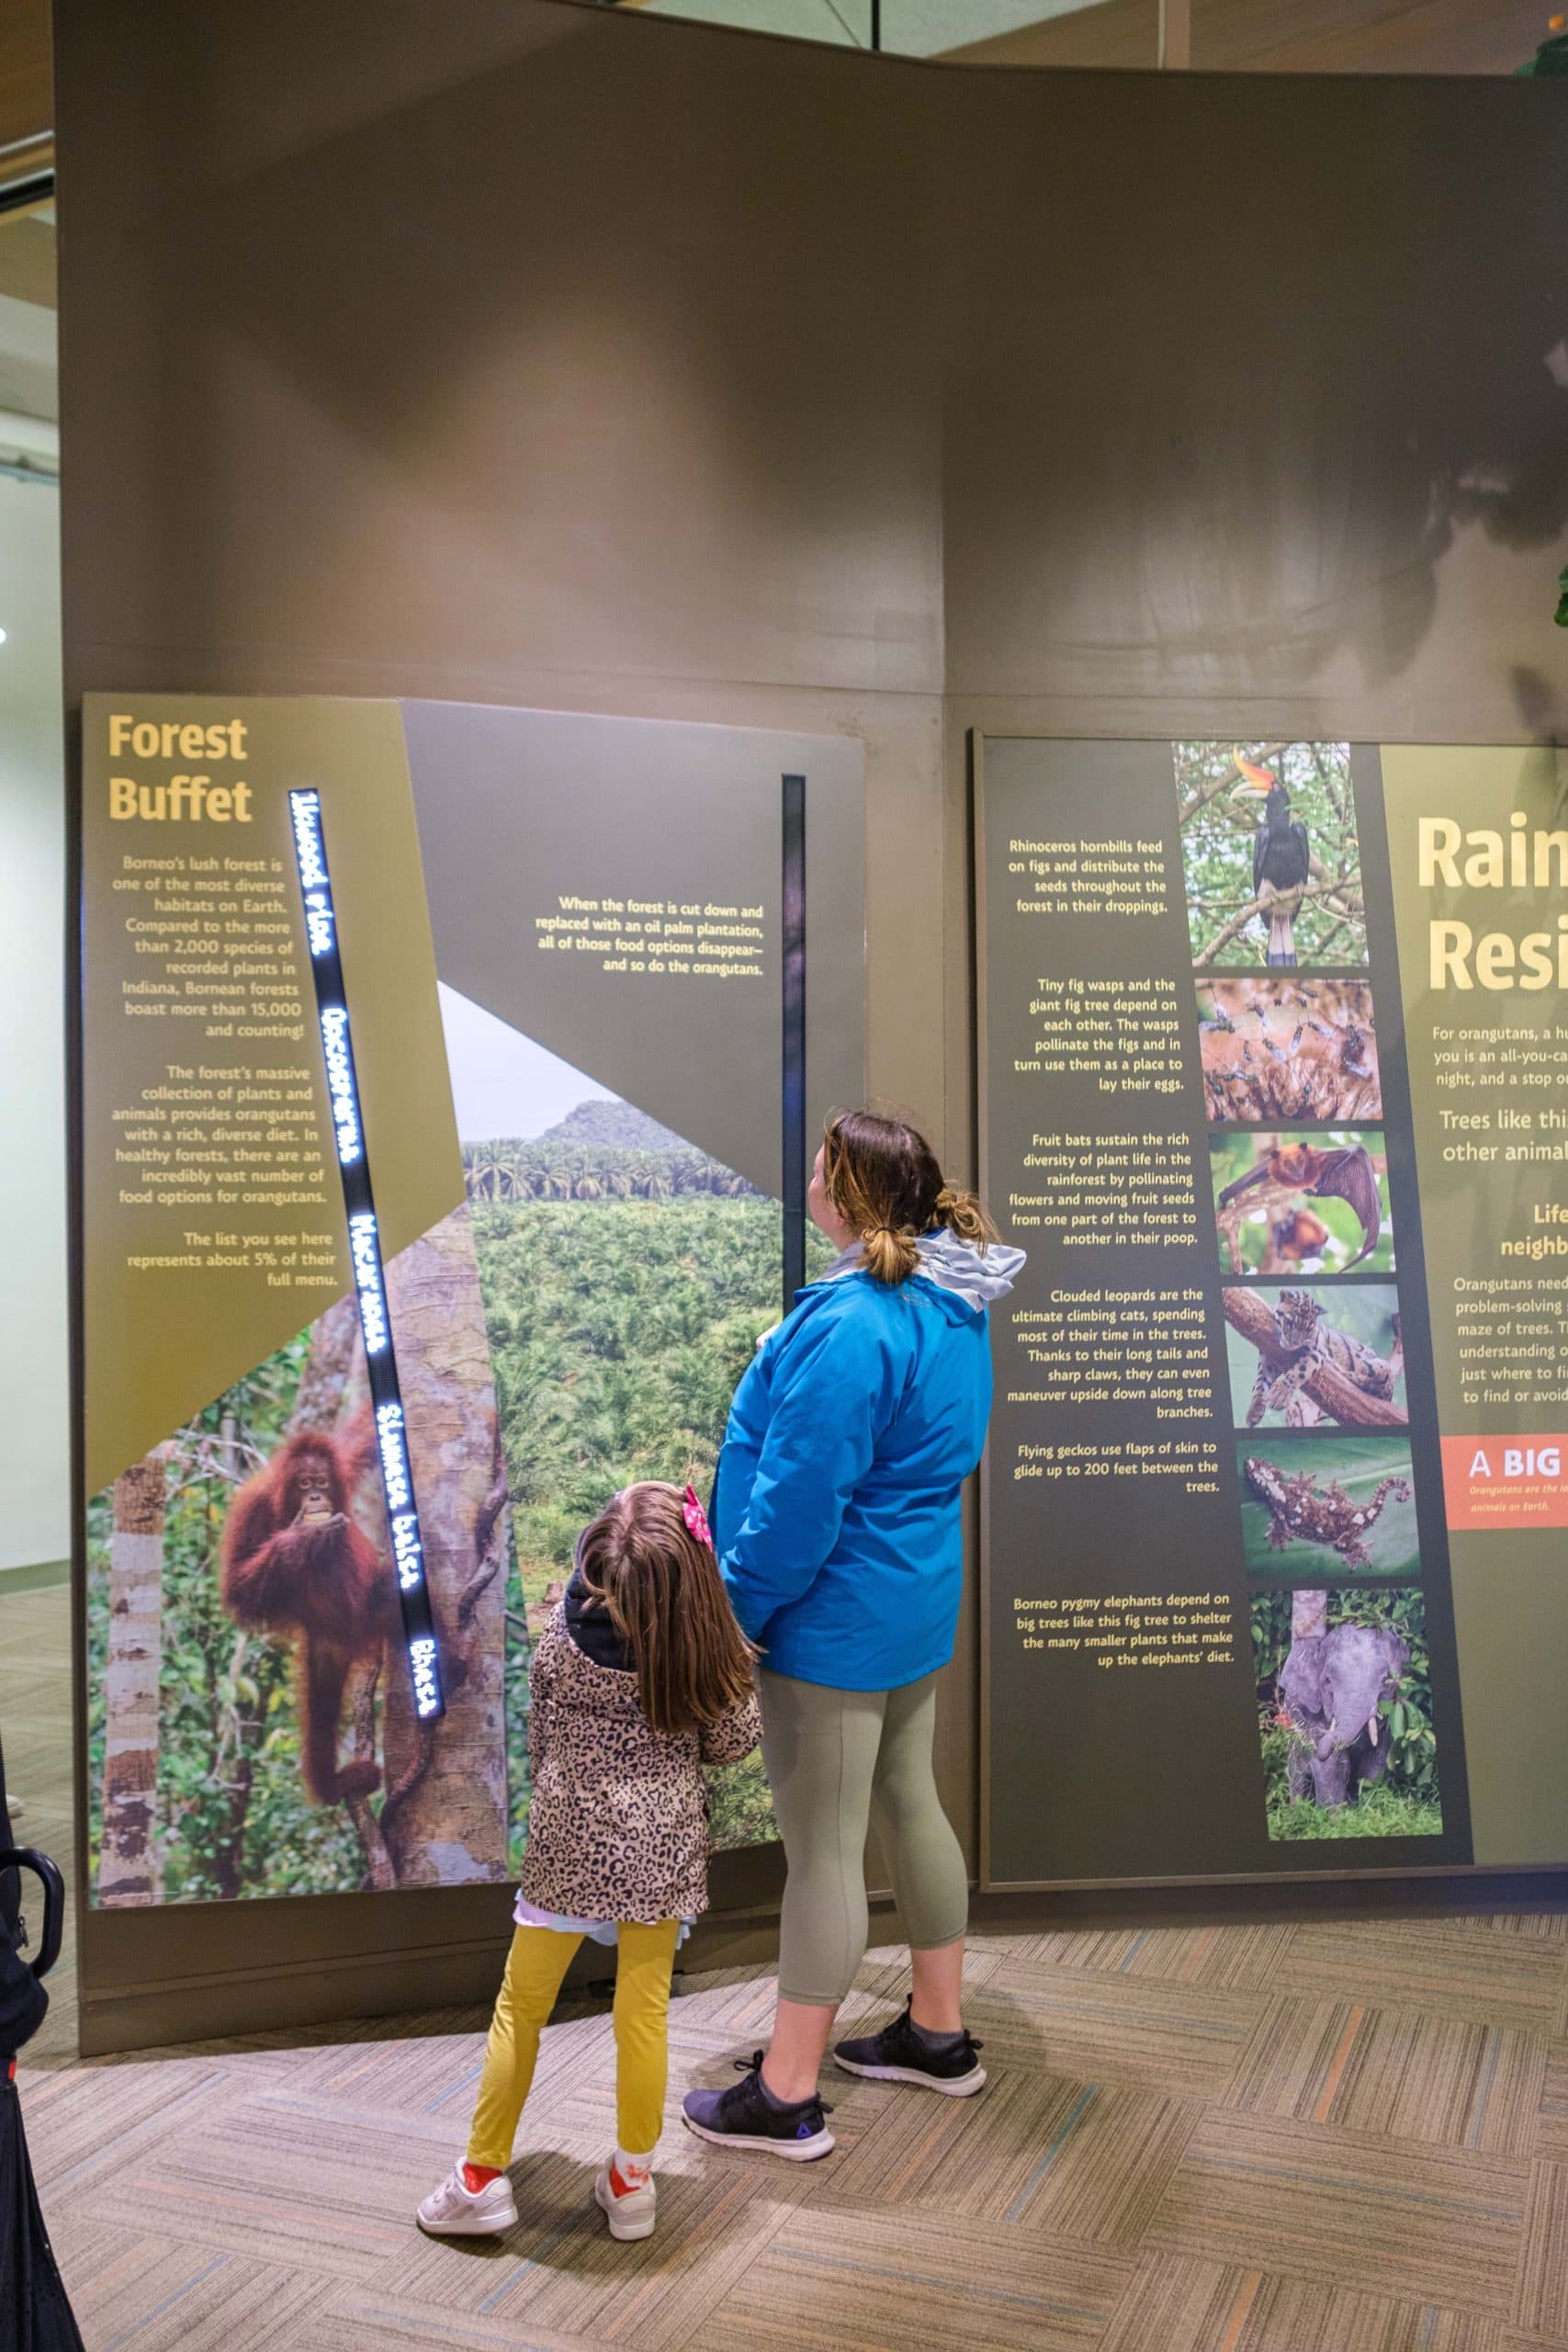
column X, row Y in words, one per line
column 909, row 27
column 1285, row 37
column 26, row 88
column 1230, row 36
column 27, row 259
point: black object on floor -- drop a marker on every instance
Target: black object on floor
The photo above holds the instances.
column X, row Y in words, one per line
column 32, row 2294
column 31, row 2290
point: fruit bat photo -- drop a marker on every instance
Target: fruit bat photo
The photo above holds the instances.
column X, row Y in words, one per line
column 1270, row 1193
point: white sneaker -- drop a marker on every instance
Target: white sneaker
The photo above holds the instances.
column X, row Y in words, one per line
column 454, row 2211
column 630, row 2212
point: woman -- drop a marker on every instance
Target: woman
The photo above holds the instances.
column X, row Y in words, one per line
column 836, row 1515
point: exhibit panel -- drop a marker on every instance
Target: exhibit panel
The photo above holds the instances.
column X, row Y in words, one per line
column 1220, row 1092
column 435, row 1139
column 1478, row 847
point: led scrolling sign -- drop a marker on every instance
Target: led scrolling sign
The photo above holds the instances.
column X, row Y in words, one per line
column 364, row 1248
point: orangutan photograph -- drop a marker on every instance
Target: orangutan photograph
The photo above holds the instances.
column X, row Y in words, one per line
column 251, row 1551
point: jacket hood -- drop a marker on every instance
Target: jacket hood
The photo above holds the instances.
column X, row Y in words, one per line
column 592, row 1629
column 978, row 1277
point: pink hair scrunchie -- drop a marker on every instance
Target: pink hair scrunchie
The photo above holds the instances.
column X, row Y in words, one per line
column 696, row 1519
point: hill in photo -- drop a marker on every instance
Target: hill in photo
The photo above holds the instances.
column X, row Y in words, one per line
column 619, row 1126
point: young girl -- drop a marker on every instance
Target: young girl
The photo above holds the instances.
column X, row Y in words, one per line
column 640, row 1678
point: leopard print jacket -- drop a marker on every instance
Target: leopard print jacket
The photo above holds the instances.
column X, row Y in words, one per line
column 619, row 1818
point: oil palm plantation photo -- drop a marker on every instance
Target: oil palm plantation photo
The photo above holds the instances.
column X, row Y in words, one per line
column 627, row 1278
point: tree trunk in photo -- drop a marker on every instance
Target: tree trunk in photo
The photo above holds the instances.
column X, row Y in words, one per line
column 333, row 1343
column 1309, row 1615
column 333, row 1390
column 128, row 1862
column 362, row 1685
column 445, row 1817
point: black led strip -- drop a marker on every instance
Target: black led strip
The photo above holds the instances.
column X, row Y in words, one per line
column 793, row 1090
column 364, row 1251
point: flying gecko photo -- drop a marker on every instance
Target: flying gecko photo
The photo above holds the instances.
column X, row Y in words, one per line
column 1317, row 1506
column 1271, row 854
column 1290, row 1203
column 1288, row 1048
column 1345, row 1719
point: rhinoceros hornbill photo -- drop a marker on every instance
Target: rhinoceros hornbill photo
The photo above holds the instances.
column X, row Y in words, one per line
column 1281, row 858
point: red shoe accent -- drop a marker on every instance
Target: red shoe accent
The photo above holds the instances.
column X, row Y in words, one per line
column 619, row 2186
column 477, row 2177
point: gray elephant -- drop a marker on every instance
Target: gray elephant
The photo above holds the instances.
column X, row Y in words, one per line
column 1332, row 1686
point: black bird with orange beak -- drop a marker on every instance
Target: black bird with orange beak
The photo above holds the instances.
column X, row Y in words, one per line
column 1281, row 858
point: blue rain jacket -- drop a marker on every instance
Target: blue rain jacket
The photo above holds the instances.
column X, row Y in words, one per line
column 836, row 1499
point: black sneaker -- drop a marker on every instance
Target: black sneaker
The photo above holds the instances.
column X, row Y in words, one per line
column 745, row 2117
column 898, row 2054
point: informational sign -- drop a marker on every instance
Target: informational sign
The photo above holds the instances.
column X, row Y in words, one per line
column 1274, row 1091
column 434, row 1111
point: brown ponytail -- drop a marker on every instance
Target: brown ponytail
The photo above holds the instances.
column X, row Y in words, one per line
column 884, row 1179
column 889, row 1253
column 963, row 1214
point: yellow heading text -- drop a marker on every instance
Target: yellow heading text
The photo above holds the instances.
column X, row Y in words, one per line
column 1483, row 859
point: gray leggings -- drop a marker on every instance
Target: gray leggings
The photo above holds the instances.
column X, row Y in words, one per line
column 837, row 1760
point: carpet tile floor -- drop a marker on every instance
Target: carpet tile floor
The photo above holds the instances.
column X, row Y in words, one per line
column 1234, row 2139
column 1310, row 2137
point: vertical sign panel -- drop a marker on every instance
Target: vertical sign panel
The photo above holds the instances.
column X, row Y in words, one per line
column 1219, row 1634
column 365, row 1252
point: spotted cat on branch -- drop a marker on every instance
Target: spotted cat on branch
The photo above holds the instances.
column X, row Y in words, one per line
column 1309, row 1340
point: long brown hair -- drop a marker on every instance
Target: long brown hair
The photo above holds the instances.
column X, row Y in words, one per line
column 666, row 1600
column 885, row 1179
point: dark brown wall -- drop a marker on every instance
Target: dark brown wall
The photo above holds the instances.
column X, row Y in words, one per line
column 532, row 354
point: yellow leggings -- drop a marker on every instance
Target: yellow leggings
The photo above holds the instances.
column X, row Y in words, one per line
column 534, row 1967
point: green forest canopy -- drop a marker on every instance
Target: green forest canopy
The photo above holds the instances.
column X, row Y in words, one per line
column 618, row 1330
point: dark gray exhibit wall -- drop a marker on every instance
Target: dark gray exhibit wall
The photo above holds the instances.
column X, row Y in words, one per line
column 570, row 358
column 532, row 823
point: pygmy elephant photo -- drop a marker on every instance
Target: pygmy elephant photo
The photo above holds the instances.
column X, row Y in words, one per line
column 1331, row 1687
